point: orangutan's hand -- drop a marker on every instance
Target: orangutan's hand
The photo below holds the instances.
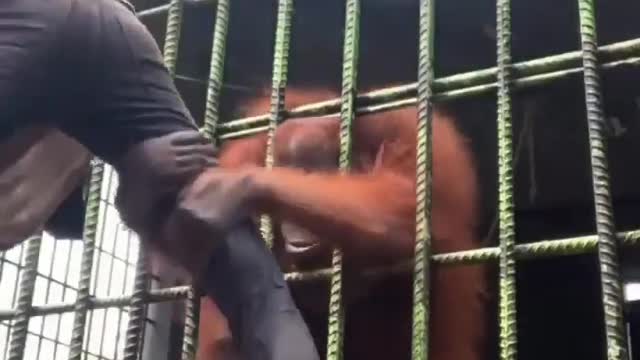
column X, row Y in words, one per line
column 220, row 198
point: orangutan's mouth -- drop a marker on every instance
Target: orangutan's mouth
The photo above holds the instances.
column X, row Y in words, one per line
column 298, row 240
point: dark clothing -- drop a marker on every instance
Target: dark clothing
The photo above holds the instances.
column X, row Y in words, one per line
column 92, row 69
column 89, row 67
column 264, row 320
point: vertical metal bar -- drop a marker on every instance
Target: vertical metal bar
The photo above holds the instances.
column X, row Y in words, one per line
column 347, row 115
column 49, row 277
column 216, row 70
column 172, row 35
column 83, row 299
column 507, row 313
column 112, row 254
column 278, row 87
column 211, row 119
column 137, row 308
column 126, row 274
column 421, row 273
column 25, row 297
column 607, row 242
column 191, row 315
column 64, row 293
column 99, row 257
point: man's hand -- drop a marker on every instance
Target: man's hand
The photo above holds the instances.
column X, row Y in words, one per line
column 156, row 168
column 169, row 161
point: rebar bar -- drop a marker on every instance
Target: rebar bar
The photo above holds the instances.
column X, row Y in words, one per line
column 424, row 176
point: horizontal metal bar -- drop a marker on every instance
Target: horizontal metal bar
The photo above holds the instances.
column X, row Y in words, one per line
column 160, row 295
column 476, row 90
column 226, row 86
column 322, row 108
column 162, row 9
column 536, row 250
column 153, row 11
column 527, row 73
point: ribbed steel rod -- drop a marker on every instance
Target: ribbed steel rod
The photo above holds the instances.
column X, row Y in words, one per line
column 211, row 119
column 351, row 48
column 25, row 298
column 424, row 175
column 83, row 298
column 137, row 306
column 506, row 226
column 278, row 85
column 154, row 296
column 612, row 297
column 447, row 87
column 191, row 317
column 172, row 35
column 385, row 100
column 216, row 70
column 531, row 251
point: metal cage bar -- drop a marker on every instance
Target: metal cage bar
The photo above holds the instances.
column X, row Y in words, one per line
column 25, row 298
column 507, row 278
column 137, row 313
column 535, row 250
column 278, row 88
column 350, row 55
column 424, row 177
column 525, row 74
column 172, row 35
column 612, row 298
column 137, row 307
column 89, row 234
column 504, row 78
column 191, row 315
column 211, row 118
column 216, row 71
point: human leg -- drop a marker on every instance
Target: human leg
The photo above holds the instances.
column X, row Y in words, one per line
column 138, row 123
column 264, row 320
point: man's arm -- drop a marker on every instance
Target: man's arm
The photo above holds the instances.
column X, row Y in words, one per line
column 40, row 161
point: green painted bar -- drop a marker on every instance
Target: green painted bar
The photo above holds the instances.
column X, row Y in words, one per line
column 137, row 307
column 529, row 251
column 507, row 279
column 211, row 119
column 612, row 298
column 278, row 87
column 424, row 173
column 191, row 316
column 172, row 35
column 25, row 297
column 467, row 84
column 377, row 97
column 216, row 70
column 137, row 312
column 347, row 114
column 100, row 258
column 83, row 300
column 504, row 78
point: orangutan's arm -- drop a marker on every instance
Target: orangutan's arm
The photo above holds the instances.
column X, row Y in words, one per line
column 370, row 214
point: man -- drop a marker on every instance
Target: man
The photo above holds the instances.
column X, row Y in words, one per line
column 92, row 70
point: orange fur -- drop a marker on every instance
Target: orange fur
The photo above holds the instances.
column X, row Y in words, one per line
column 370, row 214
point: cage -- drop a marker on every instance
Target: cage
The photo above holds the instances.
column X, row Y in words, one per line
column 555, row 167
